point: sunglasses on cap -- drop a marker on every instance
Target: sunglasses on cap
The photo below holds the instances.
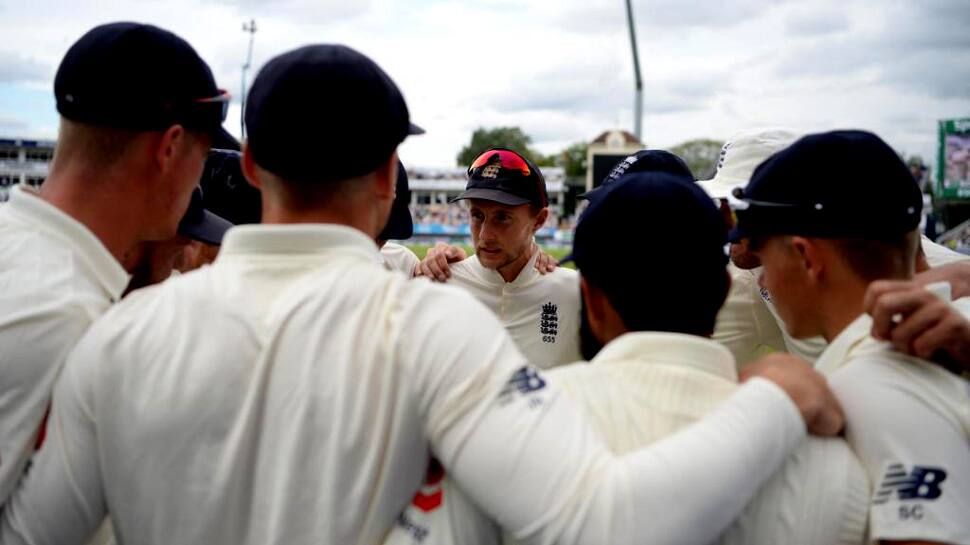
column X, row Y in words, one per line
column 506, row 159
column 210, row 110
column 745, row 203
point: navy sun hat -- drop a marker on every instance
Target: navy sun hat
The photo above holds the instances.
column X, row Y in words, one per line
column 656, row 160
column 505, row 176
column 140, row 77
column 225, row 191
column 839, row 184
column 324, row 113
column 400, row 225
column 201, row 224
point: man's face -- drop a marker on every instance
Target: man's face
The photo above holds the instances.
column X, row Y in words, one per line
column 501, row 234
column 784, row 276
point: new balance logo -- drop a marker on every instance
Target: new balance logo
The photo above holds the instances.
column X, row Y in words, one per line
column 525, row 381
column 922, row 483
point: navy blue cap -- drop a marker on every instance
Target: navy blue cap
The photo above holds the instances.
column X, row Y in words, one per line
column 505, row 176
column 225, row 190
column 655, row 160
column 678, row 223
column 839, row 184
column 324, row 113
column 140, row 77
column 201, row 224
column 399, row 225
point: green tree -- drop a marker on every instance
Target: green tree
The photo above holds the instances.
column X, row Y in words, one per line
column 506, row 137
column 573, row 160
column 700, row 155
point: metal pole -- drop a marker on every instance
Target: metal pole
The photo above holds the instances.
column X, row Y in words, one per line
column 251, row 29
column 638, row 97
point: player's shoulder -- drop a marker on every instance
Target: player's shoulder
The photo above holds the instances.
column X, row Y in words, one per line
column 437, row 297
column 173, row 299
column 469, row 267
column 582, row 381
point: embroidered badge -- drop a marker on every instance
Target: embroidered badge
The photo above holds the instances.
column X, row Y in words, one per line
column 549, row 323
column 490, row 171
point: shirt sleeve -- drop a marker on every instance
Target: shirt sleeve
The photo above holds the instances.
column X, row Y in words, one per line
column 915, row 454
column 61, row 499
column 39, row 340
column 524, row 453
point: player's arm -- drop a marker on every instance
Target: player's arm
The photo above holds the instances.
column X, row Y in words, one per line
column 61, row 499
column 29, row 368
column 525, row 454
column 914, row 451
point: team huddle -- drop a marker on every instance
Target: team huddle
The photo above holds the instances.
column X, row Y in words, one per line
column 773, row 355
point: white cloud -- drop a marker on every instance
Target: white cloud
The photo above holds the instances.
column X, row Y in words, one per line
column 561, row 69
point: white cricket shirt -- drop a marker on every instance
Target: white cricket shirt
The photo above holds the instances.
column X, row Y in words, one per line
column 909, row 422
column 540, row 311
column 56, row 277
column 293, row 391
column 744, row 324
column 642, row 387
column 749, row 325
column 396, row 257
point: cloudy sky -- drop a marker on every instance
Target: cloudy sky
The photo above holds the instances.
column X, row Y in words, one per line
column 561, row 69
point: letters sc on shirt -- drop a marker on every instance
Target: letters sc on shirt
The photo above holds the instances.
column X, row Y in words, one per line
column 921, row 483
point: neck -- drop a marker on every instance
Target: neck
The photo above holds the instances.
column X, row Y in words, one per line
column 102, row 205
column 350, row 215
column 840, row 311
column 510, row 271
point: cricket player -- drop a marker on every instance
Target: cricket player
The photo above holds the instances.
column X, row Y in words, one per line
column 748, row 324
column 294, row 391
column 659, row 371
column 507, row 204
column 822, row 239
column 139, row 111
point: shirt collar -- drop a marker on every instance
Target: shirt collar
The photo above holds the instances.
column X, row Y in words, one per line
column 296, row 239
column 671, row 349
column 27, row 205
column 855, row 336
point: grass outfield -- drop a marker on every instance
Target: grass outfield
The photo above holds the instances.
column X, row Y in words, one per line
column 421, row 249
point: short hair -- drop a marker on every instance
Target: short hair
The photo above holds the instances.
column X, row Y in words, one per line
column 303, row 196
column 888, row 258
column 669, row 298
column 99, row 147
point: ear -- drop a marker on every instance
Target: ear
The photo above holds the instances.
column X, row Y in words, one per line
column 386, row 179
column 595, row 309
column 249, row 168
column 809, row 255
column 541, row 218
column 170, row 147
